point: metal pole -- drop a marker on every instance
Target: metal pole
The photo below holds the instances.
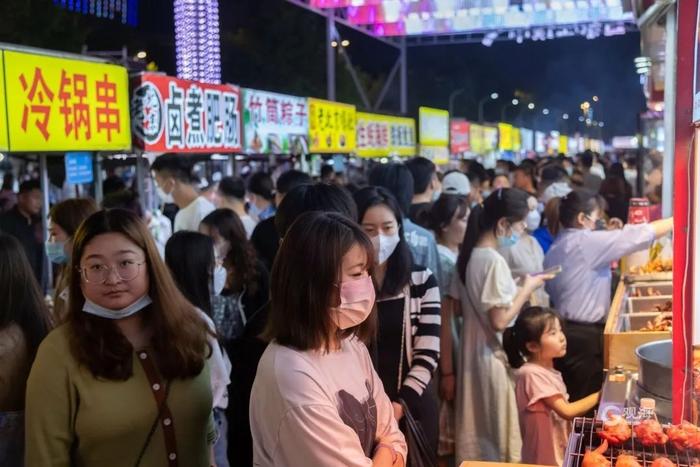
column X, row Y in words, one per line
column 640, row 157
column 404, row 77
column 330, row 54
column 44, row 180
column 481, row 109
column 97, row 179
column 140, row 182
column 450, row 105
column 228, row 166
column 387, row 84
column 669, row 112
column 355, row 78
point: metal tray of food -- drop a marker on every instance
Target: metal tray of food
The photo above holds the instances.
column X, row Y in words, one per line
column 650, row 304
column 650, row 289
column 645, row 322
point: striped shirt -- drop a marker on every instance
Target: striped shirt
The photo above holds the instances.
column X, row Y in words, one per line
column 424, row 309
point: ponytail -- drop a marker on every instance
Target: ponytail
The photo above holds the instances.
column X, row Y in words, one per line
column 508, row 203
column 551, row 215
column 471, row 237
column 531, row 324
column 512, row 346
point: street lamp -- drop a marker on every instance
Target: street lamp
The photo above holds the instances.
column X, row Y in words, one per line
column 493, row 96
column 452, row 99
column 513, row 103
column 565, row 116
column 531, row 106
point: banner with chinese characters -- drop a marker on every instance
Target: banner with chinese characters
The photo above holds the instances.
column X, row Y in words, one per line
column 331, row 126
column 60, row 104
column 274, row 123
column 382, row 135
column 176, row 115
column 527, row 139
column 563, row 144
column 459, row 136
column 4, row 143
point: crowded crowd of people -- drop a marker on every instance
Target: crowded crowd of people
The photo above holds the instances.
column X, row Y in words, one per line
column 403, row 314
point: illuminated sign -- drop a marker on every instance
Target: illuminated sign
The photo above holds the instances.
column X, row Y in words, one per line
column 331, row 126
column 274, row 123
column 382, row 135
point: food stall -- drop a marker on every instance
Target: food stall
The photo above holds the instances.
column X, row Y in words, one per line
column 666, row 369
column 64, row 111
column 332, row 131
column 188, row 117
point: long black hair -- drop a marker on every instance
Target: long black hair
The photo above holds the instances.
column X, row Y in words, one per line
column 565, row 210
column 508, row 203
column 400, row 263
column 190, row 258
column 531, row 324
column 241, row 262
column 23, row 303
column 443, row 211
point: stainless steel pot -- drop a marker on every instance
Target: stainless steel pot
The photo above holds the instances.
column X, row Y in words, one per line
column 655, row 360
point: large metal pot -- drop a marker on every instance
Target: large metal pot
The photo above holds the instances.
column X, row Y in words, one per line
column 655, row 360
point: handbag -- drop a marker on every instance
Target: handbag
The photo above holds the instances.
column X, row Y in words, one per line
column 420, row 454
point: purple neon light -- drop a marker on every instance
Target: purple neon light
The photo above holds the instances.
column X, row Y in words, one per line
column 197, row 42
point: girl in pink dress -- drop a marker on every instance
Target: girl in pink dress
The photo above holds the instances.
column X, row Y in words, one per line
column 532, row 344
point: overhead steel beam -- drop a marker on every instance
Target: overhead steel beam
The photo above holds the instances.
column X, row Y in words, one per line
column 387, row 84
column 304, row 4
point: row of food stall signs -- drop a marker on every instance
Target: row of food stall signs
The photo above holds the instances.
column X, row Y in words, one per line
column 56, row 104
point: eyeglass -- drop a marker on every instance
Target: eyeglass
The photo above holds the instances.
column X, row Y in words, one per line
column 99, row 273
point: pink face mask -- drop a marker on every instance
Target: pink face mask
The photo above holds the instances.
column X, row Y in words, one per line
column 356, row 303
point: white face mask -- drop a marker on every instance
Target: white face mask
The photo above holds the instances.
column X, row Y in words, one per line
column 533, row 220
column 219, row 280
column 167, row 198
column 384, row 246
column 97, row 310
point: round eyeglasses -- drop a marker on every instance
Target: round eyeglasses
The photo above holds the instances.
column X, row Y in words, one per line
column 99, row 273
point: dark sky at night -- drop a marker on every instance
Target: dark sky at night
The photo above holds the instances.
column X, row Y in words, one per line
column 274, row 45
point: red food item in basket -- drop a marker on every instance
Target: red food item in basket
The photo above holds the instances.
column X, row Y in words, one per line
column 616, row 430
column 684, row 436
column 627, row 460
column 596, row 458
column 650, row 433
column 663, row 462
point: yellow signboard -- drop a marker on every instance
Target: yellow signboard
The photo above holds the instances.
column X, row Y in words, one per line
column 563, row 144
column 505, row 137
column 490, row 139
column 331, row 126
column 382, row 135
column 517, row 139
column 59, row 104
column 476, row 139
column 4, row 144
column 434, row 127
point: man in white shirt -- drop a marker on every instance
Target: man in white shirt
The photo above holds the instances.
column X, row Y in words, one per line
column 231, row 193
column 174, row 183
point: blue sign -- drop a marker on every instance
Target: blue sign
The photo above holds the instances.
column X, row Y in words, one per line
column 78, row 167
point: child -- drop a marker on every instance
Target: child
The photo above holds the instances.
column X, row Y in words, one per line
column 532, row 344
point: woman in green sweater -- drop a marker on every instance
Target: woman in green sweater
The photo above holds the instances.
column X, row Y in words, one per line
column 125, row 381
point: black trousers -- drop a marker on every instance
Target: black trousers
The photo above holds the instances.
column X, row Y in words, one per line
column 582, row 367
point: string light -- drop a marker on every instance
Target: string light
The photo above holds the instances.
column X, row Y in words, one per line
column 197, row 43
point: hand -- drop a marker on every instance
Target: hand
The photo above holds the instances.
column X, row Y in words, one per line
column 533, row 283
column 447, row 387
column 615, row 224
column 398, row 411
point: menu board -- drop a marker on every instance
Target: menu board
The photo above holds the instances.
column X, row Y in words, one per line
column 383, row 135
column 274, row 123
column 459, row 136
column 331, row 126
